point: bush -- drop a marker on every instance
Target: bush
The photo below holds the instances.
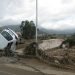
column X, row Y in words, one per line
column 30, row 49
column 70, row 42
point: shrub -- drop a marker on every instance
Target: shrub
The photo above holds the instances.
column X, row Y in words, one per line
column 30, row 49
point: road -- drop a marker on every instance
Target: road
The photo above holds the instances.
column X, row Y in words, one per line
column 46, row 68
column 30, row 67
column 7, row 68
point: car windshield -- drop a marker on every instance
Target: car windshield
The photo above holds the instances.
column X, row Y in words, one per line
column 7, row 35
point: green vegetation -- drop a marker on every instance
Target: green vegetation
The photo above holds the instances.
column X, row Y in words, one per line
column 28, row 29
column 30, row 49
column 70, row 41
column 0, row 29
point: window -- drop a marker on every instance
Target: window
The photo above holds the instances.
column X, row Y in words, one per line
column 7, row 35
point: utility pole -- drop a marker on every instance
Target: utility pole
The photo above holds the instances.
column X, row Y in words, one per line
column 36, row 18
column 36, row 26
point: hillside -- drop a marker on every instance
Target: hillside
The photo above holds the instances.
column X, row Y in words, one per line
column 16, row 28
column 51, row 31
column 41, row 30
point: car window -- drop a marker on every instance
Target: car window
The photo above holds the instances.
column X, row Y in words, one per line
column 7, row 35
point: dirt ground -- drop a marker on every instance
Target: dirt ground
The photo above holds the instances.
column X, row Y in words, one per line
column 24, row 43
column 45, row 68
column 19, row 46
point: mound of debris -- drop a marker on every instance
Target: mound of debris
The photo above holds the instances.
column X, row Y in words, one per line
column 49, row 44
column 30, row 49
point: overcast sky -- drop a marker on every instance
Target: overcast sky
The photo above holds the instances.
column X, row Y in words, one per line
column 52, row 14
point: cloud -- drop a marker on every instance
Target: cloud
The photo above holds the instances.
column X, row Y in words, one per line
column 57, row 14
column 16, row 11
column 67, row 1
column 52, row 14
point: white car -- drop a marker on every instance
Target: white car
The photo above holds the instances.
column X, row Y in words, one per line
column 8, row 38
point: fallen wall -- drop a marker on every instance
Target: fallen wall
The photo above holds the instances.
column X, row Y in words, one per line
column 51, row 43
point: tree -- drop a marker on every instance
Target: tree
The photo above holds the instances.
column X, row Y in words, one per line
column 21, row 26
column 28, row 29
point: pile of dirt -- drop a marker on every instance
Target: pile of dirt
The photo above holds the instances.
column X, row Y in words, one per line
column 30, row 49
column 63, row 56
column 49, row 44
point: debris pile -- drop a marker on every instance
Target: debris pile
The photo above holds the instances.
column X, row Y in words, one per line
column 30, row 50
